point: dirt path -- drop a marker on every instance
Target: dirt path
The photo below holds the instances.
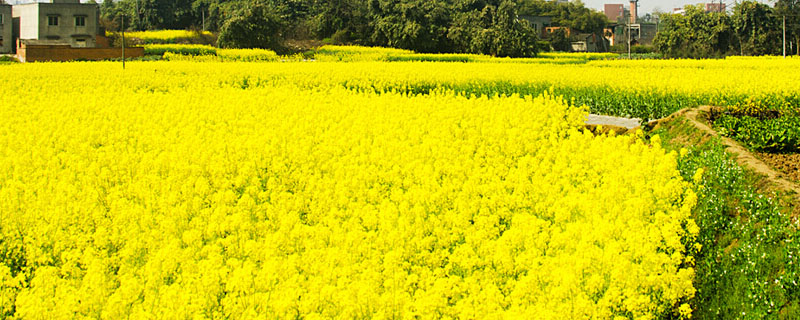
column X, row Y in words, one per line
column 744, row 156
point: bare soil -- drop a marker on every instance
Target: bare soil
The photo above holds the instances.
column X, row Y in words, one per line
column 787, row 163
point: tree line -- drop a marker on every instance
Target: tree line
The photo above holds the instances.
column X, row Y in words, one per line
column 752, row 28
column 490, row 27
column 433, row 26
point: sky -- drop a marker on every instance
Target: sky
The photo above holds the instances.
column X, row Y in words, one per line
column 647, row 6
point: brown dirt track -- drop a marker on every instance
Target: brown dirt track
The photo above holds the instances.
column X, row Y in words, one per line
column 785, row 181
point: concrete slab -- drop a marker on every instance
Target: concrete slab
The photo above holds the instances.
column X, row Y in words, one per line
column 629, row 123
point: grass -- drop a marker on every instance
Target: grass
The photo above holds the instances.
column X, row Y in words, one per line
column 748, row 264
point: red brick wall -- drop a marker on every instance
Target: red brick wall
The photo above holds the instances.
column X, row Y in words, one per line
column 614, row 11
column 33, row 53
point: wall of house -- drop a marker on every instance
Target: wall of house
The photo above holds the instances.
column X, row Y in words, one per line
column 614, row 12
column 6, row 27
column 34, row 53
column 34, row 22
column 67, row 30
column 28, row 20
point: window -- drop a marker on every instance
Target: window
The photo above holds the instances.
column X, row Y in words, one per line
column 80, row 21
column 52, row 20
column 80, row 43
column 1, row 19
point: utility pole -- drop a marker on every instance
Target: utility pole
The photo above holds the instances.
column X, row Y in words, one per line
column 629, row 40
column 204, row 19
column 784, row 36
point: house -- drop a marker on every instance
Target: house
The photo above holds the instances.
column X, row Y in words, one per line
column 59, row 21
column 6, row 29
column 538, row 23
column 715, row 7
column 647, row 33
column 588, row 42
column 641, row 34
column 615, row 12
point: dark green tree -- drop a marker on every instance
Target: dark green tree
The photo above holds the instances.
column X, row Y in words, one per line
column 255, row 26
column 419, row 25
column 560, row 40
column 493, row 28
column 347, row 19
column 695, row 34
column 790, row 10
column 757, row 28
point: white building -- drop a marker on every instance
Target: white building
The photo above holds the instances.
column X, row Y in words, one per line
column 60, row 21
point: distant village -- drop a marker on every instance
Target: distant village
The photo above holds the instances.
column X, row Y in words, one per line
column 623, row 20
column 62, row 30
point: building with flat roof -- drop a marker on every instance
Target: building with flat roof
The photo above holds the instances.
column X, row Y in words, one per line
column 615, row 12
column 6, row 29
column 63, row 21
column 538, row 23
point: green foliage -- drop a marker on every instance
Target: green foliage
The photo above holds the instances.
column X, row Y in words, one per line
column 695, row 34
column 757, row 29
column 560, row 40
column 748, row 266
column 790, row 10
column 779, row 134
column 419, row 25
column 192, row 50
column 257, row 26
column 494, row 31
column 571, row 14
column 7, row 59
column 752, row 29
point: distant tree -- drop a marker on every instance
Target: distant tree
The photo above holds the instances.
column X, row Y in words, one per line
column 560, row 41
column 695, row 34
column 574, row 15
column 757, row 28
column 350, row 19
column 256, row 26
column 494, row 29
column 790, row 9
column 419, row 25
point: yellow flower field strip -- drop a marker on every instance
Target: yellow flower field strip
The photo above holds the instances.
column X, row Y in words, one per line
column 165, row 194
column 645, row 89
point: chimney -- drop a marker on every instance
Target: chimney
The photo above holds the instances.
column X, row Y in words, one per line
column 634, row 13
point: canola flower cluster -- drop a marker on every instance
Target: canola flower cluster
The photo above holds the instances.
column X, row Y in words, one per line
column 168, row 192
column 653, row 88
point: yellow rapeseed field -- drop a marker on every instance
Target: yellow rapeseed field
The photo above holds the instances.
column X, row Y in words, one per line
column 270, row 190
